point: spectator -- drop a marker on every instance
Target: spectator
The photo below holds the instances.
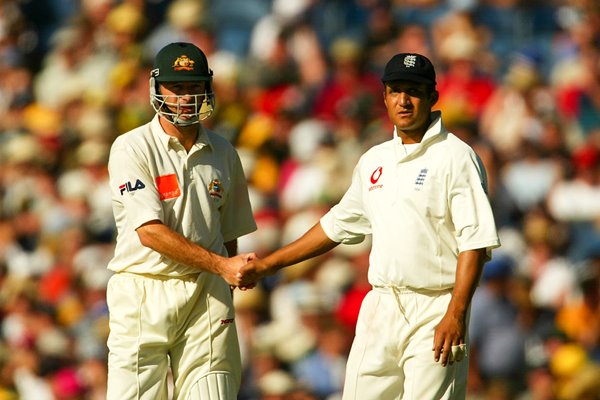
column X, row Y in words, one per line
column 497, row 351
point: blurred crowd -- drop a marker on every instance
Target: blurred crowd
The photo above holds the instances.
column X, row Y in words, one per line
column 298, row 93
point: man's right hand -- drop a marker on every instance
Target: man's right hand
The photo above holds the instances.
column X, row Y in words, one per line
column 229, row 267
column 253, row 271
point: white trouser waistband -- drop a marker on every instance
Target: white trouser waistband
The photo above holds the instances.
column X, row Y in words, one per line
column 188, row 277
column 400, row 290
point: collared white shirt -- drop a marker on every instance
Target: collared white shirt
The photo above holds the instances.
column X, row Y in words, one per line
column 201, row 194
column 422, row 208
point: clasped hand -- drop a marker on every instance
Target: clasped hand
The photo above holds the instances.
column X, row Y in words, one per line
column 244, row 270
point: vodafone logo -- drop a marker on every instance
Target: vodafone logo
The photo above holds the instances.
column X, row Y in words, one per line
column 375, row 177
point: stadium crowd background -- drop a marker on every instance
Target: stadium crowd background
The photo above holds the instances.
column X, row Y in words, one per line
column 298, row 93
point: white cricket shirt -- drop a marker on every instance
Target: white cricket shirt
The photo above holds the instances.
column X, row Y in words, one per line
column 422, row 208
column 201, row 194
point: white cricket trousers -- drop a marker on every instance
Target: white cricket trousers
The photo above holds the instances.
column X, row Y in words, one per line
column 391, row 356
column 185, row 323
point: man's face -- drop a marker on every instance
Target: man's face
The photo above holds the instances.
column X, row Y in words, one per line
column 409, row 105
column 185, row 100
column 182, row 92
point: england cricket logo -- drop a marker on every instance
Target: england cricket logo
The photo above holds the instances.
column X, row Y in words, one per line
column 420, row 181
column 410, row 61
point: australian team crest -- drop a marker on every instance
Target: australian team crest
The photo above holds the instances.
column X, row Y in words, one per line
column 183, row 63
column 215, row 189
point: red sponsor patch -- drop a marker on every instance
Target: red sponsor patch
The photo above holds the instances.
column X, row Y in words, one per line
column 168, row 187
column 376, row 175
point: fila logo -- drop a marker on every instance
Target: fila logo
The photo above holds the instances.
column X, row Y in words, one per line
column 128, row 187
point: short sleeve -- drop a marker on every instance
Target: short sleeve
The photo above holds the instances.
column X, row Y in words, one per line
column 237, row 218
column 471, row 211
column 347, row 221
column 132, row 186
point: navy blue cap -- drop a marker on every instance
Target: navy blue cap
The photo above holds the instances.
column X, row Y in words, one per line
column 411, row 67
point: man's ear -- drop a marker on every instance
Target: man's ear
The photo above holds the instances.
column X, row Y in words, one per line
column 435, row 96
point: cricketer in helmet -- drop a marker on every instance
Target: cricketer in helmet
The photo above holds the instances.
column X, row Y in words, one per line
column 181, row 85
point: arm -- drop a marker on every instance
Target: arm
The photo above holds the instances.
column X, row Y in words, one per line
column 313, row 243
column 172, row 245
column 451, row 330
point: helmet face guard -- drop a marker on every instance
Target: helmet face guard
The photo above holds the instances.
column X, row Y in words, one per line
column 182, row 112
column 182, row 62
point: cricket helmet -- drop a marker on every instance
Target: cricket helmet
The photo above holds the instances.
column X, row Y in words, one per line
column 182, row 62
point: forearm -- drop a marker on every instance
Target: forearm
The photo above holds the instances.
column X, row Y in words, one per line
column 468, row 272
column 313, row 243
column 176, row 247
column 451, row 331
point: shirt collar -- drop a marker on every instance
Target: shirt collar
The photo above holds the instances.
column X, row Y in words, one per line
column 202, row 139
column 435, row 127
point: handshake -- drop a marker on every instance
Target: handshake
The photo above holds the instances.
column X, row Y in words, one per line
column 244, row 270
